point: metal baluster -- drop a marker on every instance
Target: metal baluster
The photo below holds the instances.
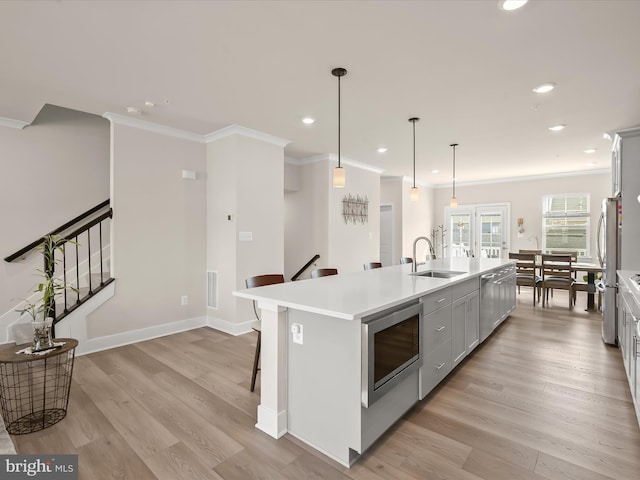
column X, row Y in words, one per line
column 89, row 259
column 64, row 276
column 101, row 254
column 77, row 272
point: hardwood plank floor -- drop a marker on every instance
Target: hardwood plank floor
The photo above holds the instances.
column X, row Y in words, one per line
column 542, row 399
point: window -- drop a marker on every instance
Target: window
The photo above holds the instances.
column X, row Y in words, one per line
column 566, row 221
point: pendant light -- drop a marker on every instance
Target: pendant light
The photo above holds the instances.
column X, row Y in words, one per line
column 338, row 172
column 413, row 193
column 454, row 200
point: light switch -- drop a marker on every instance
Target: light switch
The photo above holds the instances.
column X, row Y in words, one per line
column 245, row 236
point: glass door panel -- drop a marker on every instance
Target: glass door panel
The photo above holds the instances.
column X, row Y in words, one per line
column 478, row 231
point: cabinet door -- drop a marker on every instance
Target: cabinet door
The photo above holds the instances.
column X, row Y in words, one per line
column 458, row 330
column 472, row 320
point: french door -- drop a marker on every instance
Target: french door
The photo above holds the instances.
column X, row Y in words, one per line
column 477, row 231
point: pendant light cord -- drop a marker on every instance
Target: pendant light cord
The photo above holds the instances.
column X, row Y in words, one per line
column 454, row 145
column 338, row 122
column 414, row 153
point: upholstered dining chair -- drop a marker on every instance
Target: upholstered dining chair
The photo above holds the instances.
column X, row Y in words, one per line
column 323, row 272
column 252, row 282
column 372, row 265
column 556, row 273
column 526, row 272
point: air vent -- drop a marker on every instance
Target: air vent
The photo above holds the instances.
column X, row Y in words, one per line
column 212, row 289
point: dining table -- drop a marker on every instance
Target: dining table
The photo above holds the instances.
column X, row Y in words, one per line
column 591, row 269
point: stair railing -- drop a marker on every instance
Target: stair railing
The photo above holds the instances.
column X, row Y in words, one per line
column 306, row 265
column 81, row 256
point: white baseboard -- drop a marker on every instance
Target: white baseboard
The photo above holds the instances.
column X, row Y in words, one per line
column 134, row 336
column 231, row 328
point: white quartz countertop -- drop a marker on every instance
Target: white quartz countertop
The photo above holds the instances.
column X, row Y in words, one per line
column 626, row 276
column 355, row 295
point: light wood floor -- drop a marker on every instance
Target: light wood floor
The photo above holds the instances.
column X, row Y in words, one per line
column 543, row 398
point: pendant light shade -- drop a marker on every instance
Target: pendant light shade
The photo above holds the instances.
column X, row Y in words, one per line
column 454, row 200
column 338, row 172
column 413, row 193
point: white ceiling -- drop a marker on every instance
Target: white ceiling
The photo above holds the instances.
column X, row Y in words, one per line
column 466, row 68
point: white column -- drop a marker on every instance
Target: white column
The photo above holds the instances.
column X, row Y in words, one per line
column 272, row 411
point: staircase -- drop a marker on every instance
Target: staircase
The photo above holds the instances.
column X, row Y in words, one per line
column 82, row 263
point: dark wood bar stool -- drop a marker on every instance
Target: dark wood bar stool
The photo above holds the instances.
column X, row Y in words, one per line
column 252, row 282
column 372, row 265
column 324, row 272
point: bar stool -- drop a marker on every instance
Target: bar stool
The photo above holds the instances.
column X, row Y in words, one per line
column 252, row 282
column 404, row 260
column 371, row 265
column 324, row 272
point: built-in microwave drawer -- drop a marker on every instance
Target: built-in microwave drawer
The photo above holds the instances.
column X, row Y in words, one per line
column 436, row 300
column 435, row 367
column 437, row 328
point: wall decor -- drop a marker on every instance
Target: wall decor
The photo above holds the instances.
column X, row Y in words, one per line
column 355, row 209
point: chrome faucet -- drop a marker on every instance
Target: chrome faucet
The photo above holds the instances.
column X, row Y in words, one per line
column 432, row 253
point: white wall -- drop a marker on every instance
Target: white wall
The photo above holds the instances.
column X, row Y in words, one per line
column 246, row 181
column 306, row 218
column 158, row 232
column 411, row 219
column 525, row 197
column 51, row 172
column 351, row 245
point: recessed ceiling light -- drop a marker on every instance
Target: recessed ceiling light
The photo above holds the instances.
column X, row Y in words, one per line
column 545, row 87
column 382, row 149
column 590, row 150
column 557, row 128
column 134, row 110
column 149, row 104
column 308, row 120
column 511, row 4
column 435, row 171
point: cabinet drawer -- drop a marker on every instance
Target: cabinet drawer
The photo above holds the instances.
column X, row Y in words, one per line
column 437, row 329
column 435, row 367
column 434, row 301
column 465, row 288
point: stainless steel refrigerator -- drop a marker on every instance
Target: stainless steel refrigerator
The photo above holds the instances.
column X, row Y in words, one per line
column 609, row 237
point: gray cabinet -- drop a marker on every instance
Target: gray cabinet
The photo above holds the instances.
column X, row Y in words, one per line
column 451, row 331
column 465, row 326
column 629, row 336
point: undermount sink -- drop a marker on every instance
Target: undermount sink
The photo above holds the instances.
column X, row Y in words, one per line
column 438, row 274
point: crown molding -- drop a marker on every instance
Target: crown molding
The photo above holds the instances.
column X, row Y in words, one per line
column 332, row 157
column 527, row 178
column 152, row 127
column 245, row 132
column 10, row 122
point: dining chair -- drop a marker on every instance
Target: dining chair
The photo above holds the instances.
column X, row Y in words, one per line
column 526, row 272
column 371, row 265
column 405, row 260
column 252, row 282
column 323, row 272
column 574, row 257
column 557, row 273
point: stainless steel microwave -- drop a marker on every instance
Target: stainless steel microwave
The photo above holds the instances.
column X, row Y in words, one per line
column 391, row 349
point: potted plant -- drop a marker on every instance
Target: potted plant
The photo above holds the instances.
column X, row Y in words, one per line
column 43, row 310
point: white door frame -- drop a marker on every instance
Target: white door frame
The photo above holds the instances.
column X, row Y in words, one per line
column 475, row 210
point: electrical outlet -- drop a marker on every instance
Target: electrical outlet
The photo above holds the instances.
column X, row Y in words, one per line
column 296, row 330
column 184, row 300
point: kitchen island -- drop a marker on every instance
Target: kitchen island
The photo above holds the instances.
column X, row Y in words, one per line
column 314, row 346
